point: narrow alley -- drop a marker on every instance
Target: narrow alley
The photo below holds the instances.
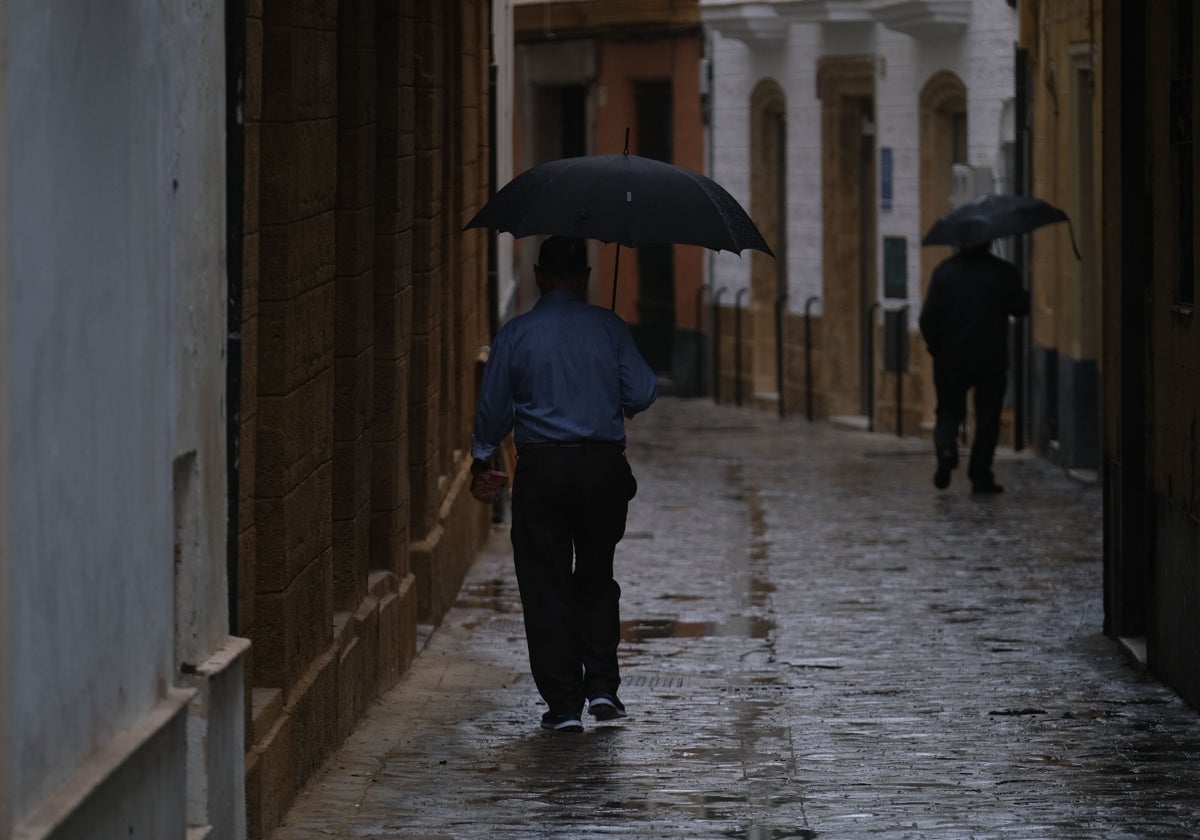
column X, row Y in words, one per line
column 817, row 643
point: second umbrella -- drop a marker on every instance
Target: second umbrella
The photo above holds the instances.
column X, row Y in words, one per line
column 992, row 216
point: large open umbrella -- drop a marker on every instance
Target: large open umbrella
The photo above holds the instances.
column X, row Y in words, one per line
column 993, row 216
column 621, row 198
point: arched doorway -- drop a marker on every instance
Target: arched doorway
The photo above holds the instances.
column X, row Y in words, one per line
column 768, row 190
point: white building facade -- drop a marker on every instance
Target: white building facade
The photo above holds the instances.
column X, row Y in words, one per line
column 846, row 127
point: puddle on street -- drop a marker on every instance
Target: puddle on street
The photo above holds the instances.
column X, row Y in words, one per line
column 498, row 595
column 745, row 627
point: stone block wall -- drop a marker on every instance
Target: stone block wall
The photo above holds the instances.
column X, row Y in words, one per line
column 366, row 146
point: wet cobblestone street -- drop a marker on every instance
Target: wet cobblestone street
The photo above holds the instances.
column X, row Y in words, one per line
column 817, row 643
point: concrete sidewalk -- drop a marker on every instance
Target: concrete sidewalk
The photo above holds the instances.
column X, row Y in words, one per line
column 817, row 644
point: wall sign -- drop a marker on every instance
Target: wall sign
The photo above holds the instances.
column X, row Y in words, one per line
column 895, row 267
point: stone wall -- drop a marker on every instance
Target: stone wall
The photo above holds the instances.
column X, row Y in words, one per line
column 363, row 307
column 1062, row 43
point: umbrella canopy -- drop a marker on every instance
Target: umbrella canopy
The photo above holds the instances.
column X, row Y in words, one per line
column 621, row 198
column 992, row 216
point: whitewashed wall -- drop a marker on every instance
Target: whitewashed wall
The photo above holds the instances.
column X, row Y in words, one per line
column 982, row 57
column 113, row 128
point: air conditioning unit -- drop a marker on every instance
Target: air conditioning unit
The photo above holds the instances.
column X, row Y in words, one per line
column 967, row 182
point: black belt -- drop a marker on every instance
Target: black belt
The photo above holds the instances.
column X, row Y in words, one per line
column 568, row 444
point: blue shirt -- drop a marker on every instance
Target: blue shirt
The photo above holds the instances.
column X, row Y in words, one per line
column 564, row 371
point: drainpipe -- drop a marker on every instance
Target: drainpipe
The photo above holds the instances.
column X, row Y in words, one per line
column 1020, row 176
column 235, row 176
column 781, row 261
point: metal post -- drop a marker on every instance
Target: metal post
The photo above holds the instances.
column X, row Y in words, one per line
column 716, row 354
column 737, row 346
column 700, row 337
column 780, row 305
column 869, row 367
column 901, row 330
column 808, row 376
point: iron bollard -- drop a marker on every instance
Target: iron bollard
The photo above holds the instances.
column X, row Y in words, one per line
column 737, row 346
column 869, row 367
column 716, row 354
column 808, row 376
column 780, row 308
column 901, row 331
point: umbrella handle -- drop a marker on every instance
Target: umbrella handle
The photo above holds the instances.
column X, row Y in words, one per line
column 616, row 265
column 1071, row 230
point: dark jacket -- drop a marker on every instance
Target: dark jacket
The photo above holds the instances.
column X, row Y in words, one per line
column 965, row 316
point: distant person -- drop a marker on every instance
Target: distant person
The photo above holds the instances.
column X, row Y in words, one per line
column 965, row 324
column 562, row 378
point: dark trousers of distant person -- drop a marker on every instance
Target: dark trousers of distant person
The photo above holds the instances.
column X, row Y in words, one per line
column 952, row 384
column 569, row 505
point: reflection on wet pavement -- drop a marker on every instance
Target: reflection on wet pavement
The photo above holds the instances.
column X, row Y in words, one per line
column 751, row 627
column 815, row 644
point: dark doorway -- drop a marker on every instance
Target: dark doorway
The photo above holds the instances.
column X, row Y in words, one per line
column 561, row 122
column 655, row 331
column 573, row 116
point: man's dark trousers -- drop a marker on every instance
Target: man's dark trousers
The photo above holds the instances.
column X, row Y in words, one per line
column 952, row 384
column 569, row 506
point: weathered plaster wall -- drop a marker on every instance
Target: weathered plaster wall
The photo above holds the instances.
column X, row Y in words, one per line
column 114, row 136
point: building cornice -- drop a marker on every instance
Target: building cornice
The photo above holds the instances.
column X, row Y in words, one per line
column 537, row 20
column 766, row 22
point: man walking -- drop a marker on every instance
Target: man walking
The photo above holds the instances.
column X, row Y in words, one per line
column 562, row 378
column 965, row 324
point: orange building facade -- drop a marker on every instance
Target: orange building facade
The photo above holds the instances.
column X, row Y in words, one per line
column 589, row 74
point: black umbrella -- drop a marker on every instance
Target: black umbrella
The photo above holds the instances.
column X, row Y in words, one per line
column 993, row 216
column 622, row 198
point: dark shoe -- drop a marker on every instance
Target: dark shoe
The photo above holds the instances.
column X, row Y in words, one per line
column 986, row 488
column 606, row 707
column 946, row 462
column 566, row 722
column 941, row 478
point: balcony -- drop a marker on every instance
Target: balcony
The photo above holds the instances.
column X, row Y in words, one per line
column 924, row 20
